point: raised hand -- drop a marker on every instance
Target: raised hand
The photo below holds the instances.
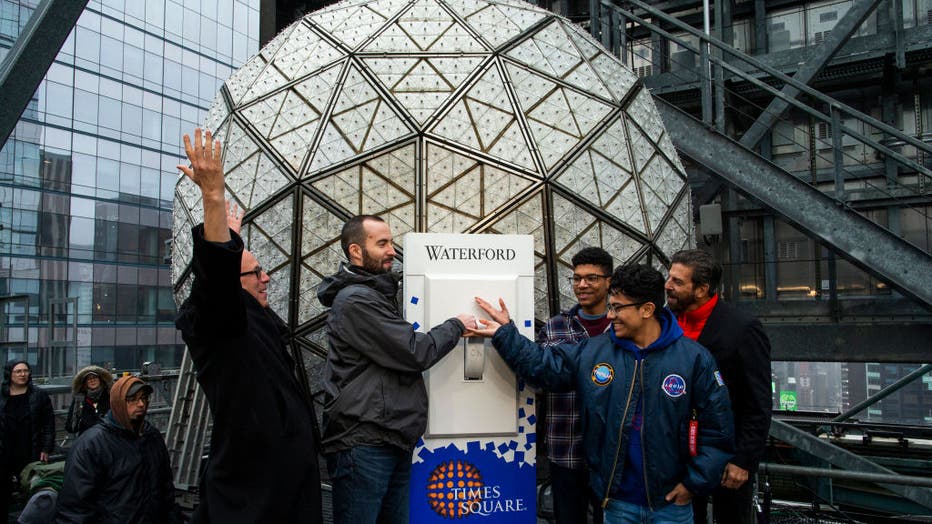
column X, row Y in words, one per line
column 206, row 170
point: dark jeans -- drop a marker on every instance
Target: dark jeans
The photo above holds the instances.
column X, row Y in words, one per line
column 370, row 485
column 572, row 497
column 729, row 506
column 621, row 512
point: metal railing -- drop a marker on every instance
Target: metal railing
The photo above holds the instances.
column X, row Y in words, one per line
column 610, row 24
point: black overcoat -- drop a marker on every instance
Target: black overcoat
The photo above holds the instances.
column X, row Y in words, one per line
column 742, row 351
column 262, row 464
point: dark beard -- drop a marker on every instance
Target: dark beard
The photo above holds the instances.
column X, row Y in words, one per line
column 371, row 264
column 682, row 304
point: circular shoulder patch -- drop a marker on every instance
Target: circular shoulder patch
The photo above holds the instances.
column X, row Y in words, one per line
column 674, row 386
column 602, row 374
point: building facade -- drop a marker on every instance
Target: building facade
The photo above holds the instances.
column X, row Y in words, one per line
column 87, row 178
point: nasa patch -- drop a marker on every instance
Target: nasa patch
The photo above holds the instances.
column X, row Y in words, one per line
column 603, row 374
column 674, row 386
column 718, row 378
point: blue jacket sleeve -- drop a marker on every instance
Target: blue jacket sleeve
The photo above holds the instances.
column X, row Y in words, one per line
column 553, row 368
column 716, row 438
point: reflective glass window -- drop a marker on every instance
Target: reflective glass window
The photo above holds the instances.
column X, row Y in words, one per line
column 104, row 306
column 133, row 61
column 85, row 106
column 109, row 114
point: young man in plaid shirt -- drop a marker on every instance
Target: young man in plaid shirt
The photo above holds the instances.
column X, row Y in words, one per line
column 592, row 269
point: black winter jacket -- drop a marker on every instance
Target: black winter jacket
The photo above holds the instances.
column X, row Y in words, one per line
column 375, row 393
column 742, row 350
column 263, row 449
column 114, row 475
column 40, row 415
column 83, row 413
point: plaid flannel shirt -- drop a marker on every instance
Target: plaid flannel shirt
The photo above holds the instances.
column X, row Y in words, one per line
column 563, row 423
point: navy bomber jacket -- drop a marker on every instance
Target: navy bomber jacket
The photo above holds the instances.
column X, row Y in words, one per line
column 674, row 380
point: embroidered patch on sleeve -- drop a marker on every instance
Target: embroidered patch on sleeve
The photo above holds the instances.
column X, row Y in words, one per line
column 718, row 378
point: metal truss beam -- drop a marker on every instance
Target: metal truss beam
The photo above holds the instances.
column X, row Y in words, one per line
column 844, row 459
column 843, row 474
column 821, row 55
column 861, row 241
column 883, row 393
column 814, row 64
column 27, row 62
column 846, row 342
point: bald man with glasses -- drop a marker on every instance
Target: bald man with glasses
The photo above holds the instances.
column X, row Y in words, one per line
column 263, row 464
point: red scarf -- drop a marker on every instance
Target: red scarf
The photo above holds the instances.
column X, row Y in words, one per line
column 693, row 321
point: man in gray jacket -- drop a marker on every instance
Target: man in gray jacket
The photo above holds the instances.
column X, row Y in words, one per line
column 376, row 401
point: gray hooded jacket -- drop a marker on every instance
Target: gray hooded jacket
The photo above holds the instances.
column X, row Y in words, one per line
column 375, row 392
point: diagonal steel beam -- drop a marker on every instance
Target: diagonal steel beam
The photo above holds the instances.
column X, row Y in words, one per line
column 844, row 459
column 821, row 56
column 25, row 65
column 884, row 393
column 861, row 241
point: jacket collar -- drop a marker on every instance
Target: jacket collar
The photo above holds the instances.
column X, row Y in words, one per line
column 670, row 331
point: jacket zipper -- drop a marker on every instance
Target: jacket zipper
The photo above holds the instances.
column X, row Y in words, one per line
column 621, row 427
column 644, row 444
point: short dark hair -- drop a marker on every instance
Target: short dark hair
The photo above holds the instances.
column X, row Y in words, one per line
column 706, row 271
column 641, row 283
column 595, row 256
column 354, row 232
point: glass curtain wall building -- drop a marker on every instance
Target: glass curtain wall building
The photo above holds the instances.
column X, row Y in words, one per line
column 87, row 178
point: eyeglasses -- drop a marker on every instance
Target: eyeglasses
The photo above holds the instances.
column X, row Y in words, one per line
column 616, row 308
column 139, row 398
column 590, row 279
column 21, row 371
column 258, row 272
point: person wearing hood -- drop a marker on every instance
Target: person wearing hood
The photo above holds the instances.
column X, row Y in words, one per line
column 657, row 421
column 27, row 425
column 91, row 401
column 376, row 401
column 262, row 464
column 118, row 471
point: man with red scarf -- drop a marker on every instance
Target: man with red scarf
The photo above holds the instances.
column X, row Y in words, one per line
column 742, row 350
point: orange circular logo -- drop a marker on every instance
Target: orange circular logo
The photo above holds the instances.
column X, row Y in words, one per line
column 452, row 487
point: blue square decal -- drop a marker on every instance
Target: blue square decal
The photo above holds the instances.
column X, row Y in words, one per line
column 415, row 326
column 527, row 323
column 414, row 300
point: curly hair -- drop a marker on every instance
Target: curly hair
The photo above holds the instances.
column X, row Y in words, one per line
column 595, row 256
column 641, row 283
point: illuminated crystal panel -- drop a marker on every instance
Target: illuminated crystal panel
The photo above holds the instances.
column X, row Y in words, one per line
column 447, row 116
